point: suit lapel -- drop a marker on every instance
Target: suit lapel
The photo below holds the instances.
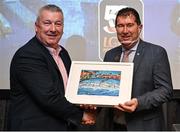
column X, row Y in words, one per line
column 47, row 54
column 117, row 55
column 139, row 55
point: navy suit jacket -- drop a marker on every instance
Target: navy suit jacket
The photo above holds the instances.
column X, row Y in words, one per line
column 152, row 85
column 37, row 91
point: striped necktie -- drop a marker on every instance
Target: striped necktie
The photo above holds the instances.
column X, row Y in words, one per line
column 126, row 55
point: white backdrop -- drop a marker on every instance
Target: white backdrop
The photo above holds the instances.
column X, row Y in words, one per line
column 84, row 19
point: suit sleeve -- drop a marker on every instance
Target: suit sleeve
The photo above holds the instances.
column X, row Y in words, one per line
column 34, row 74
column 161, row 82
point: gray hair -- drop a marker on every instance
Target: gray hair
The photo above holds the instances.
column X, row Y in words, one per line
column 49, row 7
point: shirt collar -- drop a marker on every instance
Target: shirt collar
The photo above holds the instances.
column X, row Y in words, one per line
column 54, row 51
column 51, row 50
column 133, row 48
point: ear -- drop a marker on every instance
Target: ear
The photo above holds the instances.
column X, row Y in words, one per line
column 36, row 26
column 140, row 28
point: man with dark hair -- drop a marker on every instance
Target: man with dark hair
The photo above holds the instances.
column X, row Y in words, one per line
column 152, row 84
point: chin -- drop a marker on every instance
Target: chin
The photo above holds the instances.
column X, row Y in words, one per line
column 52, row 42
column 126, row 42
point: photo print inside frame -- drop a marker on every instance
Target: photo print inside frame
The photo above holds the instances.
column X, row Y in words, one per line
column 99, row 82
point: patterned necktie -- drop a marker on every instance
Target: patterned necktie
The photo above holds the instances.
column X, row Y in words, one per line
column 61, row 66
column 119, row 116
column 126, row 55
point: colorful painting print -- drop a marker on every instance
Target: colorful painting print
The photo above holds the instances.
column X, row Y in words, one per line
column 99, row 82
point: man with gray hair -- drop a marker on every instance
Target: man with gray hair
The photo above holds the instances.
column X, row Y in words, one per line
column 38, row 78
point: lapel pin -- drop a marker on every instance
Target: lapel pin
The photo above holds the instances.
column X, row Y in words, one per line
column 138, row 53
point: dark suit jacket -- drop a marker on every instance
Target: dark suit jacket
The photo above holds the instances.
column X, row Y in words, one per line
column 37, row 91
column 152, row 86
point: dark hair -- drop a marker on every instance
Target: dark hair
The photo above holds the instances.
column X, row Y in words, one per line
column 127, row 12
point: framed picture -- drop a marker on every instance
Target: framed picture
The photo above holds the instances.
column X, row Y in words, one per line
column 99, row 83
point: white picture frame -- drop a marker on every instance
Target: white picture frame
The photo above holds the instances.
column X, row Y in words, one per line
column 99, row 83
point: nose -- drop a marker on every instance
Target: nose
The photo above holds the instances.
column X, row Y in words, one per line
column 53, row 27
column 125, row 29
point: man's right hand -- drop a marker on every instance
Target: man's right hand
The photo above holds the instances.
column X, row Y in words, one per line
column 89, row 118
column 88, row 107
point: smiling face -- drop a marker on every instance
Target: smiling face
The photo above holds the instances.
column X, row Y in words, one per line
column 128, row 30
column 49, row 27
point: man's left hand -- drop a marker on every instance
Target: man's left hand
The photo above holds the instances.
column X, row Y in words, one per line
column 129, row 106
